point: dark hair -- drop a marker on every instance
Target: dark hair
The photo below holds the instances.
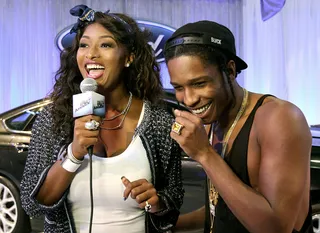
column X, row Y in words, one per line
column 209, row 56
column 142, row 78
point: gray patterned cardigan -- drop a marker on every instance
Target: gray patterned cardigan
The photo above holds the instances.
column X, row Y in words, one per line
column 163, row 154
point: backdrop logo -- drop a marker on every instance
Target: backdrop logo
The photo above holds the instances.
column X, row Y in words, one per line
column 160, row 34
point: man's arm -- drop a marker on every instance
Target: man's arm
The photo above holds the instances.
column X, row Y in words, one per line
column 191, row 221
column 285, row 143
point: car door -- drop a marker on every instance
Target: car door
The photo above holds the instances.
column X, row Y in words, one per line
column 14, row 141
column 194, row 184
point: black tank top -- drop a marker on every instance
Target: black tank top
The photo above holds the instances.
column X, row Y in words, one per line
column 225, row 221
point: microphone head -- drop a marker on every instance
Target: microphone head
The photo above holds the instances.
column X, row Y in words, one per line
column 88, row 84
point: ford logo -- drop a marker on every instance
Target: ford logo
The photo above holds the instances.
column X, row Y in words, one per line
column 160, row 34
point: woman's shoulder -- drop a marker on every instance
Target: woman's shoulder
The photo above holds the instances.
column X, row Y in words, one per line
column 44, row 118
column 46, row 112
column 159, row 112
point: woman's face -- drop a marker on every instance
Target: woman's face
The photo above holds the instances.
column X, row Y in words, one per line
column 100, row 57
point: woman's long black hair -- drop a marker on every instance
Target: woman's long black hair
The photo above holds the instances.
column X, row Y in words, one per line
column 142, row 78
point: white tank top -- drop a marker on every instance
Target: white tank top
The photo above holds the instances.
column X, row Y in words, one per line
column 111, row 213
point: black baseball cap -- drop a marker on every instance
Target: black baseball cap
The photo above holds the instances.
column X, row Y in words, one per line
column 207, row 33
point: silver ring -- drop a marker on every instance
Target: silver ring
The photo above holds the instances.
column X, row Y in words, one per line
column 147, row 207
column 92, row 125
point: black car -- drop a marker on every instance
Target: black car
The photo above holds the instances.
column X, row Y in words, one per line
column 15, row 131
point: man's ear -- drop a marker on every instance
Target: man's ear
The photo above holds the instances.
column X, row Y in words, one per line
column 231, row 68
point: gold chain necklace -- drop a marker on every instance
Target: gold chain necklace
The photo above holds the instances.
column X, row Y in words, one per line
column 124, row 113
column 213, row 193
column 239, row 114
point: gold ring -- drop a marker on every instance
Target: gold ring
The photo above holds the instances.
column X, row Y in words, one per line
column 176, row 127
column 147, row 207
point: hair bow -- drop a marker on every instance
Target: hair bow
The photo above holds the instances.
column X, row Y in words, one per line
column 84, row 13
column 124, row 23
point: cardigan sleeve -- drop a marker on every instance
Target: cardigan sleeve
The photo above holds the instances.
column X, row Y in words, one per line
column 43, row 150
column 171, row 192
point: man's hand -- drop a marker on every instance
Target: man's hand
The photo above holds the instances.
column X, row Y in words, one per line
column 192, row 138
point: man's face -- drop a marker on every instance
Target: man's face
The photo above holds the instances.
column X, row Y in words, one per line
column 198, row 87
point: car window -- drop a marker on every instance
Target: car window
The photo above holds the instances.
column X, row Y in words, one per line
column 23, row 121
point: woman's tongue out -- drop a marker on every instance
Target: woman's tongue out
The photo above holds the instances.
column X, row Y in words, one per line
column 96, row 73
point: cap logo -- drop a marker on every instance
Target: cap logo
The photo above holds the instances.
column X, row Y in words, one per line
column 215, row 40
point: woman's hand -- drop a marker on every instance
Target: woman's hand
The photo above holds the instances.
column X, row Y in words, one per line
column 83, row 137
column 143, row 192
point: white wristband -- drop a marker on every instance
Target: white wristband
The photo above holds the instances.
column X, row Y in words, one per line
column 70, row 166
column 71, row 156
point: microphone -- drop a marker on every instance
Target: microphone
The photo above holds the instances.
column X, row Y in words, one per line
column 88, row 102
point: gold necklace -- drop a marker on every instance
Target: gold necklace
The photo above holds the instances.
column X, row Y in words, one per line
column 239, row 114
column 124, row 113
column 213, row 193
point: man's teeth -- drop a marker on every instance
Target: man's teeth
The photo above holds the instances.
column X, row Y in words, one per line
column 201, row 110
column 94, row 66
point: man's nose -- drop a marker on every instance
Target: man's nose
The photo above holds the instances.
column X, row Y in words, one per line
column 190, row 98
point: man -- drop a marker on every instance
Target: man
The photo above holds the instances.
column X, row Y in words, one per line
column 257, row 157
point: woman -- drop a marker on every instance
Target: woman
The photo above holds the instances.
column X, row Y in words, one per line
column 136, row 168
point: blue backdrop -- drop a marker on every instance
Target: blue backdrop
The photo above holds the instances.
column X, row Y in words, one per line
column 282, row 52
